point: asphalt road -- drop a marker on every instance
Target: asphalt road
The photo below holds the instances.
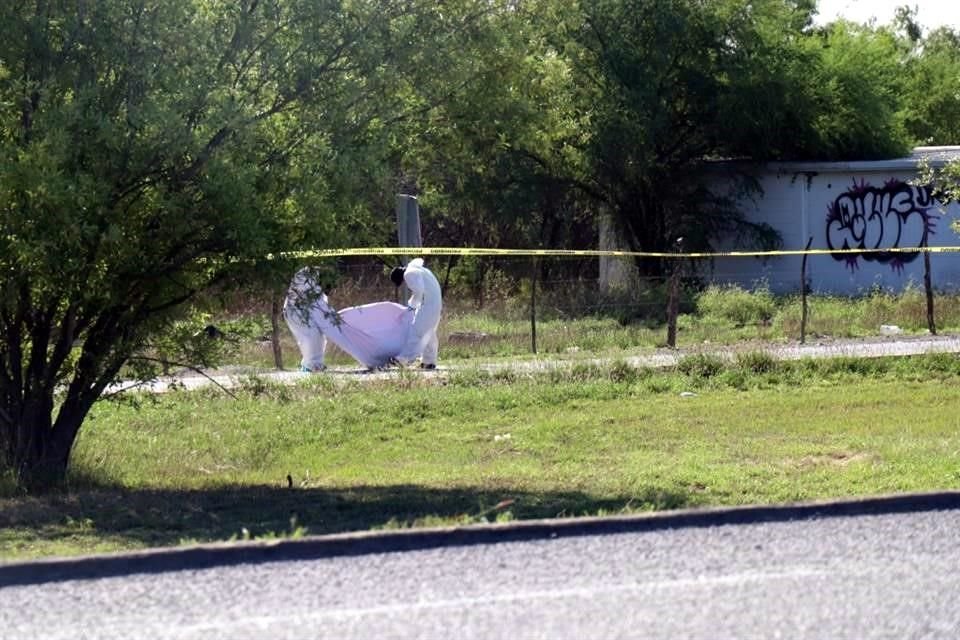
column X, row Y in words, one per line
column 888, row 575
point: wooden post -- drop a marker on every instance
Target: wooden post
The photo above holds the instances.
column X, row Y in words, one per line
column 533, row 308
column 803, row 294
column 276, row 309
column 928, row 286
column 408, row 232
column 673, row 297
column 408, row 222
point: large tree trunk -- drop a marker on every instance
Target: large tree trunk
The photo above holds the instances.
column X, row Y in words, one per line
column 643, row 218
column 43, row 470
column 615, row 274
column 41, row 450
column 41, row 417
column 43, row 453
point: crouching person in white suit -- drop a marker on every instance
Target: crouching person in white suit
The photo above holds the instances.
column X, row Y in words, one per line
column 427, row 304
column 306, row 298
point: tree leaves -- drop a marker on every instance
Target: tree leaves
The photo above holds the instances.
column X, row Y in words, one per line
column 154, row 149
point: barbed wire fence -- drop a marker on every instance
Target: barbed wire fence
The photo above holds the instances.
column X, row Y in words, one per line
column 503, row 302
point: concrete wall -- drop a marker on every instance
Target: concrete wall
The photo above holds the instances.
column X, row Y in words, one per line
column 854, row 204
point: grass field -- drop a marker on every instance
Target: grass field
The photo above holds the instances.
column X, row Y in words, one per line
column 326, row 456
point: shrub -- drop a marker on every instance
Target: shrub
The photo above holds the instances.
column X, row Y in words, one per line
column 736, row 305
column 621, row 371
column 757, row 362
column 701, row 365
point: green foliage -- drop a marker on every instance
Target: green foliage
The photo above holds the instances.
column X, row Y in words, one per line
column 622, row 372
column 701, row 365
column 493, row 161
column 675, row 83
column 935, row 366
column 475, row 278
column 858, row 85
column 757, row 362
column 944, row 181
column 914, row 73
column 931, row 110
column 846, row 365
column 153, row 152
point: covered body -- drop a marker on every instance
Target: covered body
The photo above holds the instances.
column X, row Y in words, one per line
column 374, row 334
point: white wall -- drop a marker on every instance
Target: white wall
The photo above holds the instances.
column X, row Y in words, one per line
column 872, row 213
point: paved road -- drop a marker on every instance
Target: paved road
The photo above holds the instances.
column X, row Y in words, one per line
column 865, row 576
column 865, row 348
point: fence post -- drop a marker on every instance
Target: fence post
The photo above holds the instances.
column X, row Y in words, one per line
column 928, row 286
column 533, row 307
column 276, row 309
column 673, row 297
column 803, row 293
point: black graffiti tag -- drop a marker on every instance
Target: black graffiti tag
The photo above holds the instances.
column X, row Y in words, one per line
column 896, row 215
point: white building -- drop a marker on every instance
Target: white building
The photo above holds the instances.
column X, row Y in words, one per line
column 864, row 205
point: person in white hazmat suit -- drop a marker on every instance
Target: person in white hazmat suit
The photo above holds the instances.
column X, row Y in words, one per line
column 305, row 299
column 427, row 304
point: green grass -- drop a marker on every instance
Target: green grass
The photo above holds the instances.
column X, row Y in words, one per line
column 577, row 325
column 585, row 440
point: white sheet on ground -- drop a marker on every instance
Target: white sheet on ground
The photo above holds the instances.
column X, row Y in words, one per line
column 372, row 333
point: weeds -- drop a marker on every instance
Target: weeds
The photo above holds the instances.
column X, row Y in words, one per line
column 583, row 323
column 756, row 362
column 737, row 306
column 701, row 365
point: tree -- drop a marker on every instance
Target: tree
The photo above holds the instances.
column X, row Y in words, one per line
column 493, row 163
column 151, row 150
column 659, row 81
column 614, row 106
column 932, row 92
column 858, row 84
column 672, row 85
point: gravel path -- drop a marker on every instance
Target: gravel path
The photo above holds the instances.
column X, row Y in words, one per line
column 861, row 348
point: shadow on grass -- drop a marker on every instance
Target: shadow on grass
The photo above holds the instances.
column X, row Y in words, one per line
column 160, row 518
column 166, row 518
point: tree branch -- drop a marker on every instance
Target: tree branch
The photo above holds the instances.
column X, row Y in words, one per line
column 163, row 361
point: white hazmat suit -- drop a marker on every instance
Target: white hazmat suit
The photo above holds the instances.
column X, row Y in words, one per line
column 427, row 303
column 305, row 299
column 372, row 333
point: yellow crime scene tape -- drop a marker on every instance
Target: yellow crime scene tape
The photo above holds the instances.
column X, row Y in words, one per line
column 592, row 253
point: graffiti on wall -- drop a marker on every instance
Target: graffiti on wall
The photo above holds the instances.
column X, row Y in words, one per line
column 896, row 215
